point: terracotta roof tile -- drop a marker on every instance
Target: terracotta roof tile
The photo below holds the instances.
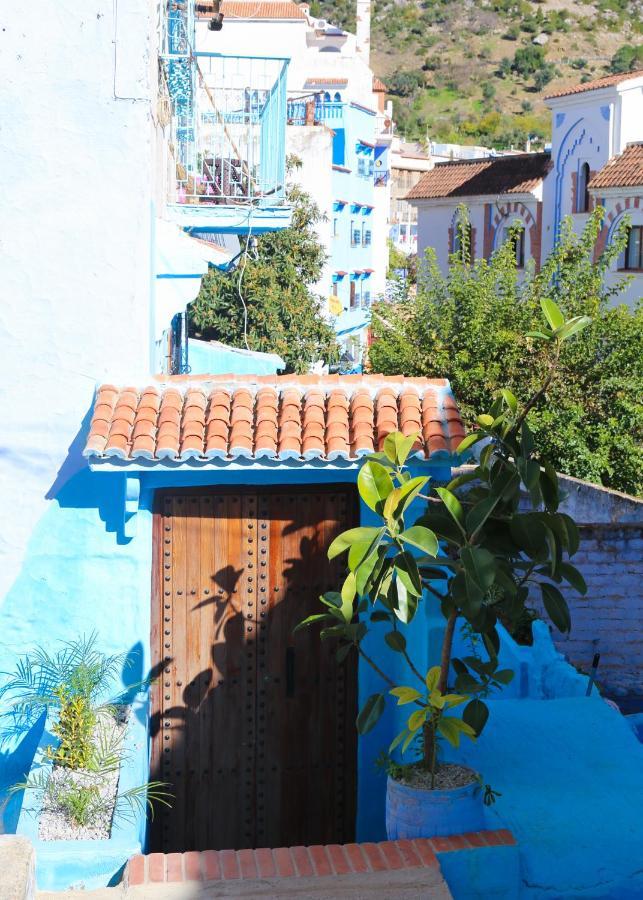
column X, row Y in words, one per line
column 625, row 170
column 274, row 417
column 252, row 9
column 607, row 81
column 516, row 174
column 378, row 84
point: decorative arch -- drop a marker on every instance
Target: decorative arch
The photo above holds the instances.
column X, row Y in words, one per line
column 567, row 147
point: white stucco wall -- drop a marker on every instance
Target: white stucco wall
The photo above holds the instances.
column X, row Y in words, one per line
column 313, row 144
column 76, row 181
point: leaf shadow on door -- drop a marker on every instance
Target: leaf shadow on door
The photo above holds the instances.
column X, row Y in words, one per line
column 252, row 745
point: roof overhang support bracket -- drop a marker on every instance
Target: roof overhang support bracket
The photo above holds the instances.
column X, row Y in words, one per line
column 131, row 497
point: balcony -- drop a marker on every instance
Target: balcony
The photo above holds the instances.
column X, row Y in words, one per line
column 313, row 109
column 228, row 141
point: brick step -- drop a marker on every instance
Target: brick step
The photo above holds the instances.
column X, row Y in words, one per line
column 304, row 862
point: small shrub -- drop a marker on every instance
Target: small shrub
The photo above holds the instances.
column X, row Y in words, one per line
column 74, row 729
column 80, row 802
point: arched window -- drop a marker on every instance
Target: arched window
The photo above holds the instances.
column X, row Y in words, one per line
column 326, row 97
column 462, row 239
column 518, row 240
column 338, row 97
column 582, row 189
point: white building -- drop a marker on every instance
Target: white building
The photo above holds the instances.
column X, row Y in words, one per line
column 339, row 127
column 595, row 158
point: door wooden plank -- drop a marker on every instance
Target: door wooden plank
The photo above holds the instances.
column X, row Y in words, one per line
column 260, row 721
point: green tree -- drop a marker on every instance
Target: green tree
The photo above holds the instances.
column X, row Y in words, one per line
column 627, row 58
column 471, row 326
column 266, row 303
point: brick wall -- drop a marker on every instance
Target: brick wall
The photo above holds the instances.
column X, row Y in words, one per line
column 609, row 619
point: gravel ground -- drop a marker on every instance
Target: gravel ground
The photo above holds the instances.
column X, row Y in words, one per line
column 447, row 776
column 55, row 823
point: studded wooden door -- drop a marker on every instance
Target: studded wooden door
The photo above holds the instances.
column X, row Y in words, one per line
column 252, row 726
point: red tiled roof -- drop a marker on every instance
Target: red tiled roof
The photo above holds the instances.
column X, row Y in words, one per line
column 607, row 81
column 517, row 174
column 625, row 170
column 253, row 9
column 378, row 85
column 273, row 417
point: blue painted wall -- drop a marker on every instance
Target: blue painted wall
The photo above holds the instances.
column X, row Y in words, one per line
column 81, row 574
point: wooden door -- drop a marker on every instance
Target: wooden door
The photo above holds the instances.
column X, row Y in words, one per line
column 252, row 726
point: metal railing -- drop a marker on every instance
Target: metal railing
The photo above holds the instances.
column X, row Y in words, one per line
column 228, row 118
column 313, row 109
column 230, row 142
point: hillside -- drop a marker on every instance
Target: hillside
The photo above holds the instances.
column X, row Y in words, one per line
column 470, row 72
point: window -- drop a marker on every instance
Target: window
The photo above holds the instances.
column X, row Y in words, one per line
column 338, row 97
column 335, row 289
column 582, row 189
column 633, row 256
column 353, row 299
column 519, row 245
column 366, row 298
column 356, row 235
column 335, row 227
column 361, row 166
column 366, row 240
column 463, row 251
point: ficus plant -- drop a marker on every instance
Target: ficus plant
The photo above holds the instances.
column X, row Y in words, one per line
column 481, row 543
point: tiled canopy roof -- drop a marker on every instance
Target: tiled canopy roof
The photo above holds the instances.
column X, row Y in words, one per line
column 625, row 170
column 378, row 85
column 607, row 81
column 516, row 174
column 270, row 417
column 253, row 9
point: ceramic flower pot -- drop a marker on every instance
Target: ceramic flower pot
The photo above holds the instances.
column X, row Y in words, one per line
column 413, row 812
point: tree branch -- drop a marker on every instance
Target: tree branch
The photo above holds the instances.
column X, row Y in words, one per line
column 447, row 644
column 374, row 666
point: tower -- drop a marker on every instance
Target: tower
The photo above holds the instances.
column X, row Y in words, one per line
column 363, row 29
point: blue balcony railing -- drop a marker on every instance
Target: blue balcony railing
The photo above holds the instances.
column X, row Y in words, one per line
column 229, row 141
column 313, row 109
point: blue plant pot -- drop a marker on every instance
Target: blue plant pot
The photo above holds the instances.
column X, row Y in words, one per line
column 417, row 813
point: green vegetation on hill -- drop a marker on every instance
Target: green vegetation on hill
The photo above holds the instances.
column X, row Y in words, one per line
column 470, row 72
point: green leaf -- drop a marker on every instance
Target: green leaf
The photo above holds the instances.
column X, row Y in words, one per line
column 510, row 399
column 573, row 326
column 556, row 607
column 504, row 676
column 485, row 420
column 380, row 616
column 546, row 336
column 405, row 695
column 370, row 713
column 453, row 505
column 402, row 497
column 374, row 484
column 406, row 603
column 475, row 714
column 342, row 652
column 573, row 536
column 417, row 719
column 479, row 565
column 367, row 570
column 397, row 447
column 459, row 480
column 422, row 538
column 555, row 318
column 448, row 729
column 346, row 539
column 349, row 590
column 396, row 641
column 432, row 678
column 469, row 441
column 408, row 573
column 478, row 514
column 573, row 576
column 317, row 617
column 398, row 740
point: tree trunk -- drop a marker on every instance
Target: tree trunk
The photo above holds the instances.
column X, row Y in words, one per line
column 445, row 659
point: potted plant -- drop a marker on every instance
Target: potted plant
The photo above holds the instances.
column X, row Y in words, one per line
column 85, row 799
column 475, row 551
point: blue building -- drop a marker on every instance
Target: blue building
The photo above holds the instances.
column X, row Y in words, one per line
column 226, row 181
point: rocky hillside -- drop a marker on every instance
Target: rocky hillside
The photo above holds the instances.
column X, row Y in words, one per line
column 476, row 71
